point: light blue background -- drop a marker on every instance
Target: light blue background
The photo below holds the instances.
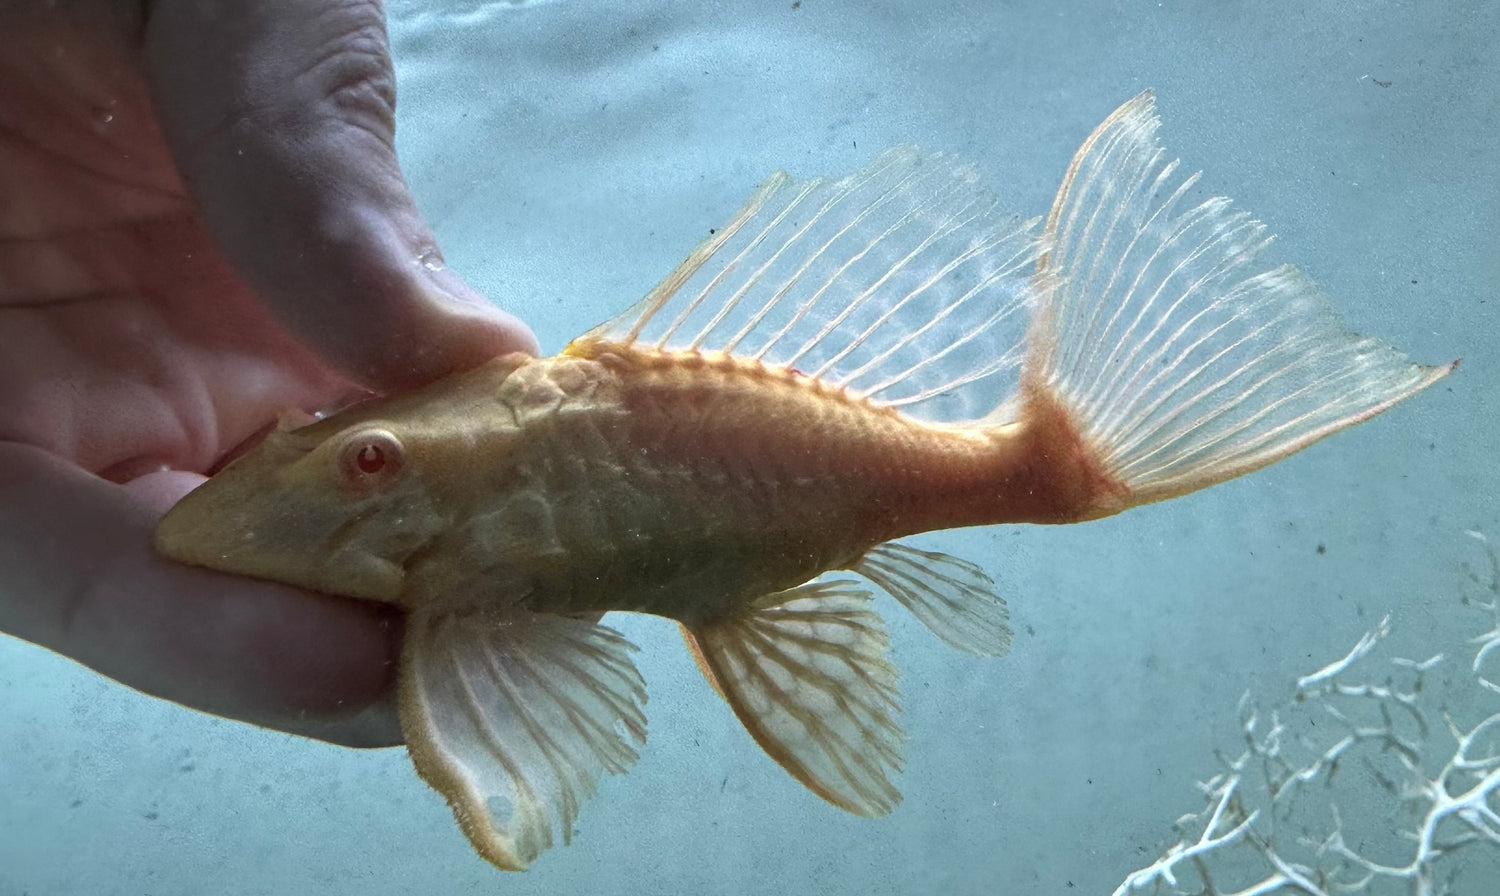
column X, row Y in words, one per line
column 569, row 153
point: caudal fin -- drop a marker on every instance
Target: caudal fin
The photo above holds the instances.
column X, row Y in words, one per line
column 1179, row 359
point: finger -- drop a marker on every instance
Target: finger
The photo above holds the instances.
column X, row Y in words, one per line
column 280, row 114
column 78, row 576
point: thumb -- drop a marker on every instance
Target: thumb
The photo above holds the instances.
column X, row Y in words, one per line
column 78, row 576
column 280, row 115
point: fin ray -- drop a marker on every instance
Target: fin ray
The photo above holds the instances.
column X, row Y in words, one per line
column 899, row 283
column 700, row 660
column 806, row 671
column 952, row 597
column 1181, row 359
column 513, row 717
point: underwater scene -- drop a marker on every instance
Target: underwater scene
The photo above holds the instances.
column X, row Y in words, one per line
column 933, row 517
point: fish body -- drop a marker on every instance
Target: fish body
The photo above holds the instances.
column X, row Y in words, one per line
column 845, row 364
column 686, row 485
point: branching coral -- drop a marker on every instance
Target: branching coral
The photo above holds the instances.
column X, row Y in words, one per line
column 1368, row 781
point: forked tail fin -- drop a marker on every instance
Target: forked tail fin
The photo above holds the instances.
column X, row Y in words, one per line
column 1177, row 358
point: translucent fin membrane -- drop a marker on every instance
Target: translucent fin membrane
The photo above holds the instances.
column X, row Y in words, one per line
column 954, row 598
column 806, row 671
column 513, row 717
column 1182, row 361
column 899, row 283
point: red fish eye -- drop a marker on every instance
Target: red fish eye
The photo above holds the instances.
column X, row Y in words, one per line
column 370, row 459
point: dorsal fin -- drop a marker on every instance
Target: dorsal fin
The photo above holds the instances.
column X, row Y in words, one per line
column 900, row 283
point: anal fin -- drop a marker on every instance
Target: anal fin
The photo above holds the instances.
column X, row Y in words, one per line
column 952, row 597
column 806, row 672
column 513, row 716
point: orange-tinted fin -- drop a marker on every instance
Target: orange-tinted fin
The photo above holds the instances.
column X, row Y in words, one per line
column 900, row 283
column 1180, row 359
column 701, row 660
column 806, row 672
column 952, row 597
column 513, row 716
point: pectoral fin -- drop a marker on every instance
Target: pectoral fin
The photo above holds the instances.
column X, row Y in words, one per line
column 512, row 716
column 806, row 672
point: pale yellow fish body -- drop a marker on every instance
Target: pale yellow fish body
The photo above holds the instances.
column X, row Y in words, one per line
column 828, row 373
column 686, row 485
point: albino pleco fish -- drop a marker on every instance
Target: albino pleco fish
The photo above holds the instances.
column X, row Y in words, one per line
column 843, row 364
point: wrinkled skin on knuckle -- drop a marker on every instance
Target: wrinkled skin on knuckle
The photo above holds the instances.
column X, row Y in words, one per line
column 299, row 74
column 355, row 78
column 343, row 84
column 333, row 77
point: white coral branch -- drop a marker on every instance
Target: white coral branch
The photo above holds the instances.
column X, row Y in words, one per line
column 1457, row 806
column 1365, row 645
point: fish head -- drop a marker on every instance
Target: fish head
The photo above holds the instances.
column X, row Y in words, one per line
column 338, row 506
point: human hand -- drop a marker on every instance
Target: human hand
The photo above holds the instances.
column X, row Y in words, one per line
column 202, row 225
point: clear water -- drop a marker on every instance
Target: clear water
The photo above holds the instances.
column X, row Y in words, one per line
column 568, row 153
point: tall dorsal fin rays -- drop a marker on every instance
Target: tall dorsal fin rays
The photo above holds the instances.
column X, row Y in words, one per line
column 899, row 283
column 513, row 716
column 1181, row 360
column 806, row 672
